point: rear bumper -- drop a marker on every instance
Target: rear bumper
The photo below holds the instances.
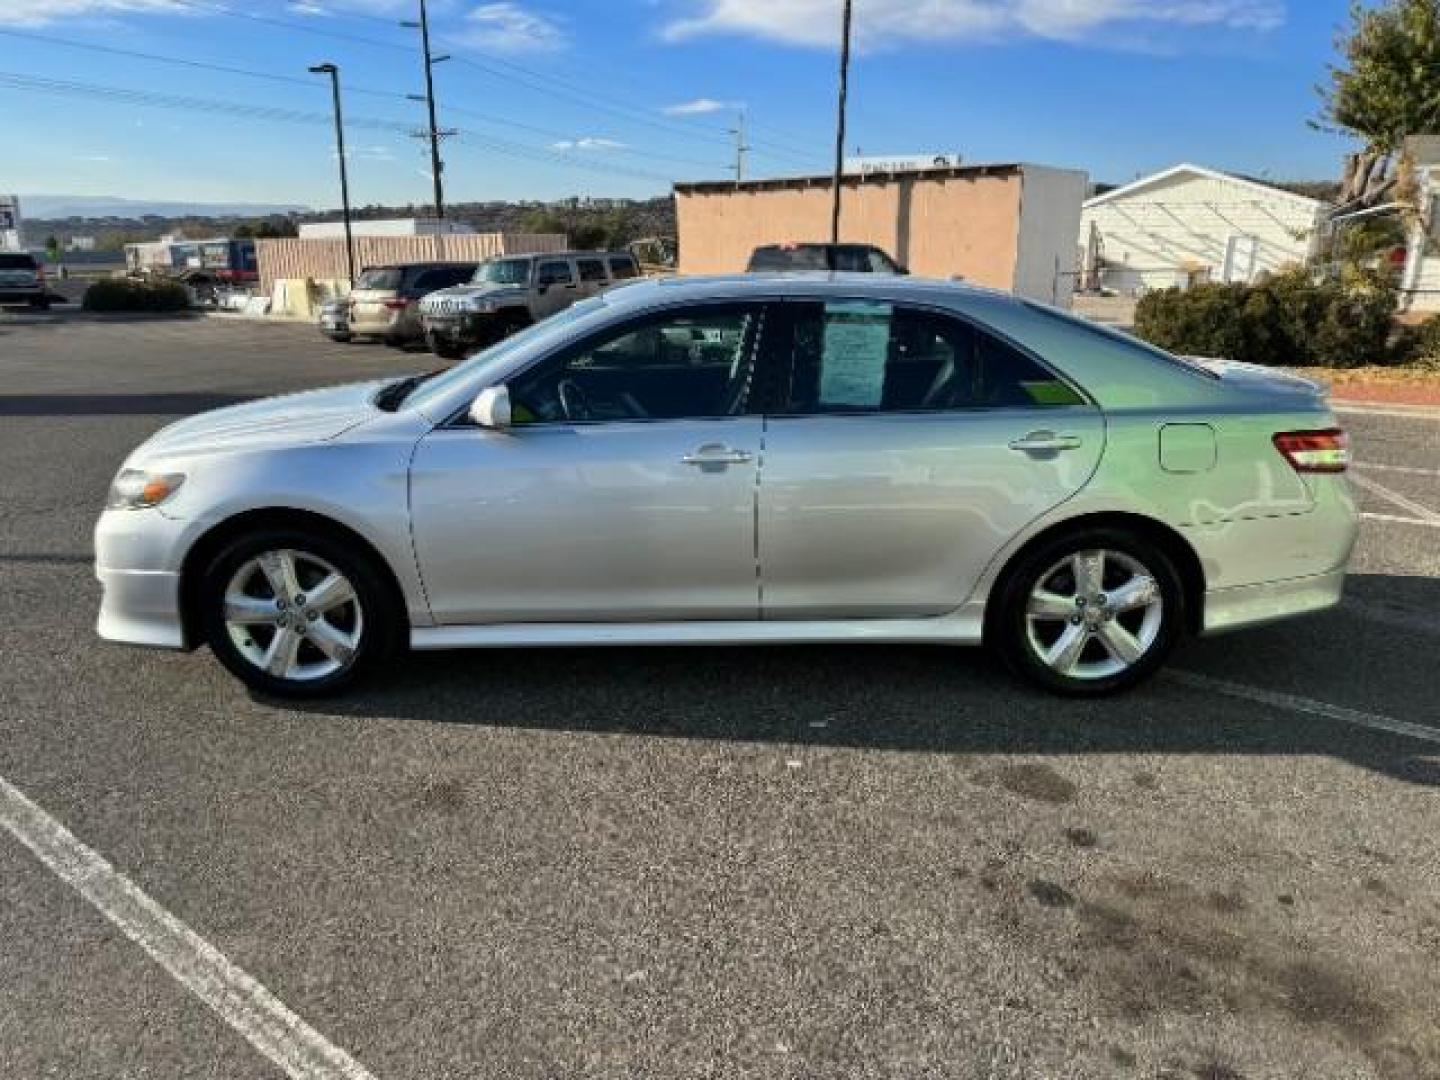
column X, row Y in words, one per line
column 1256, row 605
column 140, row 607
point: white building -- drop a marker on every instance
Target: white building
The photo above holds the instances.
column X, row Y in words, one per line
column 1420, row 285
column 335, row 230
column 10, row 223
column 1190, row 224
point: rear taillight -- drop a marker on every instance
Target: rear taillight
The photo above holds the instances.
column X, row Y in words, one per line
column 399, row 303
column 1325, row 451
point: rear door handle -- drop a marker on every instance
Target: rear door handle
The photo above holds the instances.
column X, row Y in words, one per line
column 1041, row 442
column 715, row 454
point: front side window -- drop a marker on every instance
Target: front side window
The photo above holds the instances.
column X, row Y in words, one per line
column 686, row 364
column 868, row 356
column 591, row 269
column 623, row 268
column 503, row 272
column 555, row 272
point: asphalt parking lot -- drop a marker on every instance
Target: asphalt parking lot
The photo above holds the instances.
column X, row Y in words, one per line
column 788, row 862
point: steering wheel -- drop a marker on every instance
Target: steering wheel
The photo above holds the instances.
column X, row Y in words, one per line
column 574, row 402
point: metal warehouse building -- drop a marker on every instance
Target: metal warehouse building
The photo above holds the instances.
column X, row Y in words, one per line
column 1190, row 224
column 1006, row 226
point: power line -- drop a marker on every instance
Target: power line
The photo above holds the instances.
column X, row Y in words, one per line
column 156, row 99
column 270, row 76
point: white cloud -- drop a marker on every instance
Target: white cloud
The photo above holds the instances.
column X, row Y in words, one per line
column 700, row 107
column 590, row 142
column 39, row 12
column 888, row 22
column 508, row 27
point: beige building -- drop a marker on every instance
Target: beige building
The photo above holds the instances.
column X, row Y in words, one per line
column 1009, row 227
column 298, row 274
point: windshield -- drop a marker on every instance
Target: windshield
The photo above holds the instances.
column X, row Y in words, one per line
column 503, row 272
column 436, row 388
column 383, row 277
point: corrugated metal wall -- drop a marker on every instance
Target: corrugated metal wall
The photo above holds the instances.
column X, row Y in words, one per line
column 324, row 260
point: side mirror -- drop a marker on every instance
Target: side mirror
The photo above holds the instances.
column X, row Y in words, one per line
column 491, row 408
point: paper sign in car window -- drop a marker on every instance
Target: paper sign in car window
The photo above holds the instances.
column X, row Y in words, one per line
column 852, row 365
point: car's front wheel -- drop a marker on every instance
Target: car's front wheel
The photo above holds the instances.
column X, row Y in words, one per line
column 296, row 613
column 1091, row 612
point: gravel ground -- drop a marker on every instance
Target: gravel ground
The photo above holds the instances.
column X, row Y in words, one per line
column 786, row 862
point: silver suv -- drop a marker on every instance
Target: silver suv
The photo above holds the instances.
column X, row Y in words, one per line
column 510, row 293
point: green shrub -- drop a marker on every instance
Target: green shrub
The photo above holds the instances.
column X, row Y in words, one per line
column 126, row 294
column 1420, row 345
column 1288, row 320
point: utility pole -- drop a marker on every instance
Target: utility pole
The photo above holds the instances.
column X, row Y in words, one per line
column 840, row 121
column 334, row 73
column 433, row 132
column 741, row 147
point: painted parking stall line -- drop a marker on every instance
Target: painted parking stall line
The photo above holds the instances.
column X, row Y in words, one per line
column 1308, row 706
column 1419, row 510
column 238, row 998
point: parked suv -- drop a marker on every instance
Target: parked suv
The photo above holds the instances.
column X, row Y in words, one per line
column 22, row 281
column 383, row 302
column 843, row 258
column 509, row 293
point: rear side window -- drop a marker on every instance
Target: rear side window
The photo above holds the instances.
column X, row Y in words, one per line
column 852, row 260
column 379, row 277
column 623, row 267
column 866, row 356
column 17, row 262
column 591, row 269
column 781, row 258
column 554, row 272
column 440, row 277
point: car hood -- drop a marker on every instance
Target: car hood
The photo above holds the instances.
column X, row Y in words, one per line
column 313, row 416
column 437, row 300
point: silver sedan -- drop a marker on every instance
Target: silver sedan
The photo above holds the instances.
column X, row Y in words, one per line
column 743, row 461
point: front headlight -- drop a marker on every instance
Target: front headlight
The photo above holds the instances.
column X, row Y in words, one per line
column 478, row 306
column 139, row 489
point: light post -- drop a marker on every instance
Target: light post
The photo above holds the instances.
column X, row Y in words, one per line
column 434, row 133
column 334, row 73
column 840, row 121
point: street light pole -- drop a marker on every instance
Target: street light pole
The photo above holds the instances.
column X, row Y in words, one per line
column 334, row 73
column 840, row 121
column 434, row 131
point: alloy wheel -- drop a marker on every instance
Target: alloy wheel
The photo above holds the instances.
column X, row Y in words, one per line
column 293, row 615
column 1094, row 614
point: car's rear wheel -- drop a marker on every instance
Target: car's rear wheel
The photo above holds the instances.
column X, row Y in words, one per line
column 296, row 613
column 1090, row 612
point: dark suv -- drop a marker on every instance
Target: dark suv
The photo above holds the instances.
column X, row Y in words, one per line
column 22, row 281
column 841, row 258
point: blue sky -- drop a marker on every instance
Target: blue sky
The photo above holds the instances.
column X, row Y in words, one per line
column 620, row 97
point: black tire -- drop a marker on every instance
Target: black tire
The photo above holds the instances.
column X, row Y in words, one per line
column 1009, row 630
column 340, row 338
column 380, row 635
column 41, row 303
column 443, row 350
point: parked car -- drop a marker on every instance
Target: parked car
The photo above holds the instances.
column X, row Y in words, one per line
column 802, row 258
column 510, row 293
column 745, row 460
column 384, row 302
column 22, row 280
column 334, row 318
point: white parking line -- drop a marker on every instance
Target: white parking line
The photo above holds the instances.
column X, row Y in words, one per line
column 1396, row 519
column 1420, row 510
column 301, row 1051
column 1293, row 703
column 1409, row 470
column 1401, row 411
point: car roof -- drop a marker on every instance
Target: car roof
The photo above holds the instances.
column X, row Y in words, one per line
column 817, row 283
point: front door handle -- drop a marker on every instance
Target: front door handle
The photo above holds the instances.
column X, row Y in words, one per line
column 717, row 455
column 1045, row 442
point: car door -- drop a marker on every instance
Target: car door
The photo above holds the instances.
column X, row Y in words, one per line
column 555, row 287
column 624, row 489
column 907, row 446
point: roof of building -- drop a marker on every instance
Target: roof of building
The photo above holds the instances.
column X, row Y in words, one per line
column 1258, row 186
column 795, row 183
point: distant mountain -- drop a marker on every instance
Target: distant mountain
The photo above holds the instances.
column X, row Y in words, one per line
column 102, row 206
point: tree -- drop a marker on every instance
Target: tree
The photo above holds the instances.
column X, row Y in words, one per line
column 52, row 245
column 1389, row 86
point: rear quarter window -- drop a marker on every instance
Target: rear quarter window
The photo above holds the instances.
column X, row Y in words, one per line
column 380, row 277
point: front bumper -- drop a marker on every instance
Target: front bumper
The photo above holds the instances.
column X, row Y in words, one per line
column 140, row 607
column 138, row 555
